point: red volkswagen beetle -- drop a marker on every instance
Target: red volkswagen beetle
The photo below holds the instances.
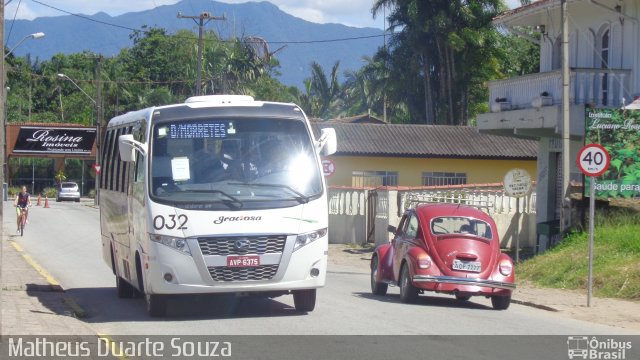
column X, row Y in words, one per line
column 446, row 248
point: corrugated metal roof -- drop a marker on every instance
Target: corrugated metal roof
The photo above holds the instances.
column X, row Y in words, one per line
column 427, row 141
column 510, row 13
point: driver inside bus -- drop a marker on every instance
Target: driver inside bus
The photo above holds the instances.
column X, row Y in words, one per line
column 209, row 163
column 274, row 158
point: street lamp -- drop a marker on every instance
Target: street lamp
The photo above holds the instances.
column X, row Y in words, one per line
column 95, row 103
column 63, row 76
column 37, row 35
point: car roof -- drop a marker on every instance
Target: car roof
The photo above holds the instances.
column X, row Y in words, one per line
column 435, row 210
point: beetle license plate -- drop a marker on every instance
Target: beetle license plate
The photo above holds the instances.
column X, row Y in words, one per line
column 243, row 261
column 474, row 266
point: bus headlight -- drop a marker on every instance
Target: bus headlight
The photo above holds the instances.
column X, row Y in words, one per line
column 175, row 243
column 304, row 239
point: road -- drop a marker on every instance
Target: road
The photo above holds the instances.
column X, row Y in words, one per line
column 64, row 239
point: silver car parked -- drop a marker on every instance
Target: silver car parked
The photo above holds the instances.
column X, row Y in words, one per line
column 68, row 191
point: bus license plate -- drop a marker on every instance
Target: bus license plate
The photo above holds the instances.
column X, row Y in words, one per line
column 243, row 261
column 474, row 266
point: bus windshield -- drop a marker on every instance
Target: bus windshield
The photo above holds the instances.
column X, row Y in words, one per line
column 233, row 163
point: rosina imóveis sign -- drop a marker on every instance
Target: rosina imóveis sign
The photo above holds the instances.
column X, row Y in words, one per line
column 38, row 140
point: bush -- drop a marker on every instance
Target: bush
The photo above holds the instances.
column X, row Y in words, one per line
column 50, row 192
column 12, row 191
column 92, row 193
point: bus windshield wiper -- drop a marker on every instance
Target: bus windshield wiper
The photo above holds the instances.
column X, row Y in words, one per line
column 300, row 197
column 231, row 201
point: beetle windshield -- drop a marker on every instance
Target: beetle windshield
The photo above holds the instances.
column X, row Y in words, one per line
column 461, row 225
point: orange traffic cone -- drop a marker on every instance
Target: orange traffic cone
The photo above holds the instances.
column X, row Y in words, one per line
column 46, row 202
column 39, row 198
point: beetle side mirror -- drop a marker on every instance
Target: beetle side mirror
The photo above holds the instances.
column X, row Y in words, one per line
column 392, row 229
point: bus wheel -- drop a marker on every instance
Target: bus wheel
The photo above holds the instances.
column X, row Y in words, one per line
column 156, row 305
column 125, row 290
column 304, row 300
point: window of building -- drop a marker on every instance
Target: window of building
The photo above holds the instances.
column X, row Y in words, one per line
column 374, row 178
column 443, row 178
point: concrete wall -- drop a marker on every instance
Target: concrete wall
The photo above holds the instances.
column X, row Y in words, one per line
column 353, row 220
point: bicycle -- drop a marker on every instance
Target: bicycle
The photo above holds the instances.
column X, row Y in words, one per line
column 23, row 218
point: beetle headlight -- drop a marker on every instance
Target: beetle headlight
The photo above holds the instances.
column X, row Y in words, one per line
column 304, row 239
column 173, row 242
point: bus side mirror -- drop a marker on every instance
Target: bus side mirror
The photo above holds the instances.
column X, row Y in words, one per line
column 128, row 146
column 328, row 142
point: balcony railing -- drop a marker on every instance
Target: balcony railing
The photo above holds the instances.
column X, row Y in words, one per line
column 598, row 87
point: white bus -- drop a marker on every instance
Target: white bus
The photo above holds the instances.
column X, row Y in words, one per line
column 221, row 194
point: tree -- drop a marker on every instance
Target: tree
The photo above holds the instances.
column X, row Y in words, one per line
column 321, row 98
column 450, row 47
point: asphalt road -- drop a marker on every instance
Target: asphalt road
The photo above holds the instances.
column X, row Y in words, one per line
column 64, row 239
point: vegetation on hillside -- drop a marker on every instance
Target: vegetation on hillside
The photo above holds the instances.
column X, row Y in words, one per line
column 433, row 70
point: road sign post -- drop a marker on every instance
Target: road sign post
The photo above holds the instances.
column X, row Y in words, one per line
column 517, row 183
column 593, row 160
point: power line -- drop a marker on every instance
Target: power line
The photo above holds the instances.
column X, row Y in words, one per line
column 14, row 20
column 224, row 41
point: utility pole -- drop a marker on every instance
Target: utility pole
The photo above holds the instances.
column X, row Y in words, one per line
column 201, row 23
column 96, row 200
column 3, row 129
column 565, row 206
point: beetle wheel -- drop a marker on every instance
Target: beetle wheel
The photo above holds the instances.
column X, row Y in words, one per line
column 501, row 302
column 408, row 292
column 377, row 288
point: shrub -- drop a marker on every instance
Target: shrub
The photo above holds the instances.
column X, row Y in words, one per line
column 50, row 192
column 12, row 191
column 92, row 193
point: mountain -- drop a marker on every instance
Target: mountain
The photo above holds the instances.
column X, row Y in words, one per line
column 303, row 41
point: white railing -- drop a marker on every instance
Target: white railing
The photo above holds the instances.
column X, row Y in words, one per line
column 354, row 220
column 599, row 87
column 489, row 198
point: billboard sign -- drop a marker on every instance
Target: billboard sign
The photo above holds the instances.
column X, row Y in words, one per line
column 618, row 131
column 54, row 140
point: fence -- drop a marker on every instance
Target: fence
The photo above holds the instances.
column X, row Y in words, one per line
column 358, row 216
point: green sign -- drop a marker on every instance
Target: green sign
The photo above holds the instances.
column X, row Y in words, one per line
column 619, row 132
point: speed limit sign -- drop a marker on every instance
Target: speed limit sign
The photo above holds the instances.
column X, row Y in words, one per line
column 593, row 160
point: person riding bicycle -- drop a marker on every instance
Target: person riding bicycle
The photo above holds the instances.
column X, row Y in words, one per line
column 22, row 202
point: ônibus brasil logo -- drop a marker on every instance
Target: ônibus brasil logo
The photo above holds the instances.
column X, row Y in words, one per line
column 581, row 347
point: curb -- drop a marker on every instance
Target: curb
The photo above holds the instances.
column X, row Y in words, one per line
column 76, row 309
column 534, row 305
column 55, row 286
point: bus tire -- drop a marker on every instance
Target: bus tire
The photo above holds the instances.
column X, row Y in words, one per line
column 125, row 290
column 156, row 305
column 304, row 300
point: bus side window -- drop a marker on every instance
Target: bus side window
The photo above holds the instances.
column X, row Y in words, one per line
column 139, row 175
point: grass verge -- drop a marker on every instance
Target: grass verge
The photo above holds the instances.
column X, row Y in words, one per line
column 616, row 259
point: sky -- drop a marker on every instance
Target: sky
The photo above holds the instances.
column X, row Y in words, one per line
column 348, row 12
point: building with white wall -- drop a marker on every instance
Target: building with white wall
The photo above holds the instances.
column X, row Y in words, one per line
column 604, row 61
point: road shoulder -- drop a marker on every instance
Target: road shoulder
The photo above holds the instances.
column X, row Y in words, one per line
column 567, row 303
